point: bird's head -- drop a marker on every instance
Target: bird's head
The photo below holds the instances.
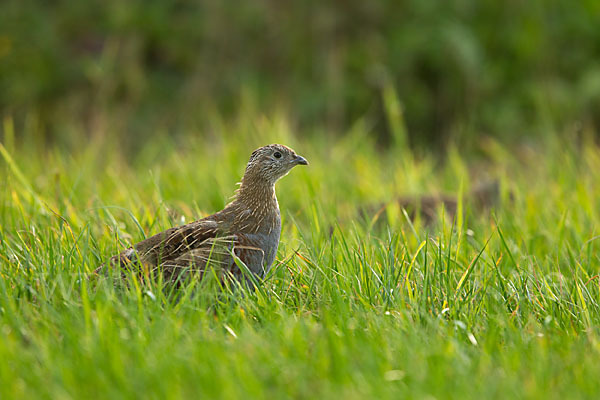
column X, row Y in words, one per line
column 269, row 163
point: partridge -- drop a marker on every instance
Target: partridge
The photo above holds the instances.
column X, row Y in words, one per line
column 247, row 228
column 482, row 197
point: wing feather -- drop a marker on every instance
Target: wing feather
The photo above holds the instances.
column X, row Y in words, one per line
column 193, row 247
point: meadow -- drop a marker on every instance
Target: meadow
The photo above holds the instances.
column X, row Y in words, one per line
column 501, row 302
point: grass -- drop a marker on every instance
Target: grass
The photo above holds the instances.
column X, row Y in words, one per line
column 502, row 303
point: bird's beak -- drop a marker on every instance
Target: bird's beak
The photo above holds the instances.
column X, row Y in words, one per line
column 299, row 160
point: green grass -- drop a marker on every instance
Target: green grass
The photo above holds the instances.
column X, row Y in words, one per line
column 493, row 304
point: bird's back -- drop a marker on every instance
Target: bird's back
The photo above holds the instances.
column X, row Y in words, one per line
column 211, row 241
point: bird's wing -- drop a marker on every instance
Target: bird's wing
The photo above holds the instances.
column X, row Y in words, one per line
column 168, row 245
column 215, row 252
column 218, row 253
column 193, row 247
column 174, row 242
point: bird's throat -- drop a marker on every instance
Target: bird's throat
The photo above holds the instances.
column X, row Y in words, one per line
column 256, row 200
column 257, row 194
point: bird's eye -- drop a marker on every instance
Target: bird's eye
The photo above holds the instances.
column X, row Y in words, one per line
column 277, row 154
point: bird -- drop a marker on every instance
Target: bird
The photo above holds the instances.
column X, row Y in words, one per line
column 483, row 196
column 248, row 228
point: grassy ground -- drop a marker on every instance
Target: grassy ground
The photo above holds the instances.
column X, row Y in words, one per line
column 494, row 304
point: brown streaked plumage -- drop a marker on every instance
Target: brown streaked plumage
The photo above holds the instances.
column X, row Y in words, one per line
column 249, row 227
column 482, row 196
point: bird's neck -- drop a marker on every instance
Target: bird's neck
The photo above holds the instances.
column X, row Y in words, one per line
column 255, row 193
column 255, row 204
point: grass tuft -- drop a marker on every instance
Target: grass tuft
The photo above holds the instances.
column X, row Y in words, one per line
column 486, row 303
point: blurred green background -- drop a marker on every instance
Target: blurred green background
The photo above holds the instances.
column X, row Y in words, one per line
column 440, row 71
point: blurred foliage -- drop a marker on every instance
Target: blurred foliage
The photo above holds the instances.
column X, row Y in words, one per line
column 439, row 70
